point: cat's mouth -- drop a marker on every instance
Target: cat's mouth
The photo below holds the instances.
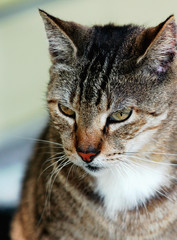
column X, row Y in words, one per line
column 93, row 168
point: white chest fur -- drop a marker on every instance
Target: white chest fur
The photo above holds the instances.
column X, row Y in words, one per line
column 126, row 189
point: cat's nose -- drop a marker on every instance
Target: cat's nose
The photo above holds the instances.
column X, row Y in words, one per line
column 87, row 156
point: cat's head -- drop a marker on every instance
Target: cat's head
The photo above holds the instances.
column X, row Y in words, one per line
column 111, row 90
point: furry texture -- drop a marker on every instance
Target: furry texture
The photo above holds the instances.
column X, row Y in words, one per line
column 127, row 190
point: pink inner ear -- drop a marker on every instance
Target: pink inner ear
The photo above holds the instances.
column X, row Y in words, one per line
column 163, row 69
column 168, row 56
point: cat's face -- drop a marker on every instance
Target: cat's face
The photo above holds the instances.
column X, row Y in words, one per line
column 110, row 90
column 113, row 123
column 111, row 100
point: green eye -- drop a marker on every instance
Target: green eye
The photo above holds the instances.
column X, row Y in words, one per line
column 120, row 116
column 66, row 111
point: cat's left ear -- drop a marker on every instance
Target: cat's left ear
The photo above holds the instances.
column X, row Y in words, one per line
column 66, row 39
column 158, row 45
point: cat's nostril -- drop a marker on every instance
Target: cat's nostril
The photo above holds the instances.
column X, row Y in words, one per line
column 88, row 156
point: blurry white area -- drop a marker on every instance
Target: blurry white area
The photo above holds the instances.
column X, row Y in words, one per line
column 24, row 63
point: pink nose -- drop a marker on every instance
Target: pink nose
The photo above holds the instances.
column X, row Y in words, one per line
column 86, row 156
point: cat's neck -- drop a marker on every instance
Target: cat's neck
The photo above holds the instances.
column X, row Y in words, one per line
column 159, row 211
column 124, row 191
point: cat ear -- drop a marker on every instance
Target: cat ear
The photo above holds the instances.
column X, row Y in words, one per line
column 66, row 39
column 158, row 45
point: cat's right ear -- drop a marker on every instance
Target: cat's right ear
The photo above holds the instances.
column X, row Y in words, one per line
column 158, row 44
column 66, row 39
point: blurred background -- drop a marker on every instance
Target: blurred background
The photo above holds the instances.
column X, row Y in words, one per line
column 24, row 63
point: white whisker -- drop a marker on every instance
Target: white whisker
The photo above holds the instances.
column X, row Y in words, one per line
column 62, row 162
column 154, row 153
column 41, row 140
column 150, row 161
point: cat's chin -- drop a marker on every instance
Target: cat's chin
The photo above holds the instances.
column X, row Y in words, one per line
column 94, row 170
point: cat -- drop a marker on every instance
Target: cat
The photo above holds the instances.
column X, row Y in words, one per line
column 105, row 167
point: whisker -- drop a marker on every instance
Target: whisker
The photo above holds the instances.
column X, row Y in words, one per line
column 53, row 163
column 54, row 175
column 83, row 176
column 72, row 164
column 41, row 140
column 51, row 159
column 157, row 153
column 164, row 194
column 51, row 180
column 149, row 169
column 150, row 161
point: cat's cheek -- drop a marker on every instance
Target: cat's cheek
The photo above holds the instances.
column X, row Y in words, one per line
column 65, row 131
column 69, row 144
column 142, row 142
column 139, row 142
column 146, row 135
column 63, row 128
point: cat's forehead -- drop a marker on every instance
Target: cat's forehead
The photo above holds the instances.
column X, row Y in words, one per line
column 110, row 38
column 106, row 73
column 95, row 86
column 101, row 83
column 104, row 52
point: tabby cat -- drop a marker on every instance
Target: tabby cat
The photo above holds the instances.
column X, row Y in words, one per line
column 105, row 167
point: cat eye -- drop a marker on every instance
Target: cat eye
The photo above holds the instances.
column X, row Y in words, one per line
column 66, row 111
column 120, row 115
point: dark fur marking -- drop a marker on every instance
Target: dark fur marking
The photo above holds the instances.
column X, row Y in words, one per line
column 89, row 52
column 106, row 77
column 52, row 101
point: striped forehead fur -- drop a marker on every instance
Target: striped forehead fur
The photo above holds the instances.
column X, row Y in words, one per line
column 108, row 62
column 103, row 50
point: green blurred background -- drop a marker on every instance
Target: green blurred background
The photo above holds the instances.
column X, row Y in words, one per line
column 24, row 59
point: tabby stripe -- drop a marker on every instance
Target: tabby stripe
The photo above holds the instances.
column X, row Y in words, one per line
column 80, row 186
column 72, row 96
column 146, row 112
column 106, row 75
column 97, row 69
column 82, row 79
column 84, row 73
column 92, row 68
column 152, row 128
column 52, row 101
